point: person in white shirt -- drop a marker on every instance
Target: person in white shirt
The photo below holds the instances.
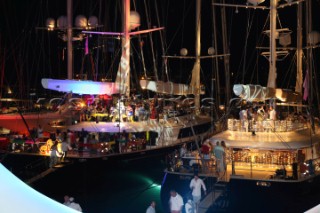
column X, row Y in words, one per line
column 195, row 185
column 243, row 114
column 152, row 207
column 272, row 114
column 74, row 205
column 188, row 207
column 175, row 202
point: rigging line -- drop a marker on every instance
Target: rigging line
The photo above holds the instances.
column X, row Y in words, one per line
column 257, row 51
column 140, row 45
column 230, row 24
column 163, row 43
column 98, row 41
column 117, row 54
column 278, row 18
column 290, row 73
column 2, row 68
column 246, row 44
column 280, row 138
column 316, row 82
column 151, row 41
column 252, row 57
column 182, row 36
column 180, row 26
column 135, row 74
column 244, row 53
column 215, row 62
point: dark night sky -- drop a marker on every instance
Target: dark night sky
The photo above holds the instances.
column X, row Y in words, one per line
column 32, row 54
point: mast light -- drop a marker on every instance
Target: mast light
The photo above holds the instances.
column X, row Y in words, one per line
column 50, row 23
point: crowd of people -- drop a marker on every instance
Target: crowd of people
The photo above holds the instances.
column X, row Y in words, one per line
column 212, row 154
column 259, row 113
column 209, row 150
column 123, row 109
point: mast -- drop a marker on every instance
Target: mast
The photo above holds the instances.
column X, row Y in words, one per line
column 69, row 39
column 273, row 54
column 310, row 66
column 215, row 74
column 225, row 51
column 123, row 76
column 195, row 81
column 298, row 87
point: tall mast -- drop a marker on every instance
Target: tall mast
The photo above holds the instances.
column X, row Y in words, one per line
column 195, row 81
column 225, row 51
column 123, row 76
column 298, row 87
column 69, row 39
column 215, row 75
column 273, row 54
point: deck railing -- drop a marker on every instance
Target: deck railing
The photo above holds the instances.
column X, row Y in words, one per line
column 294, row 171
column 266, row 125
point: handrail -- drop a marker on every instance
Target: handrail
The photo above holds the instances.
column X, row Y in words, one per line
column 266, row 125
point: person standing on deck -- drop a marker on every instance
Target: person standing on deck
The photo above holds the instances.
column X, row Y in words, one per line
column 94, row 144
column 53, row 154
column 183, row 150
column 219, row 154
column 175, row 202
column 243, row 114
column 272, row 114
column 40, row 131
column 64, row 147
column 261, row 113
column 224, row 146
column 195, row 185
column 205, row 150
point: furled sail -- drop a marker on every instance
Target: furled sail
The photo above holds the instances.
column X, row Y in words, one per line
column 167, row 87
column 259, row 93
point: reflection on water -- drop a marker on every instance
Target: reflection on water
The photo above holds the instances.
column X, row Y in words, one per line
column 108, row 186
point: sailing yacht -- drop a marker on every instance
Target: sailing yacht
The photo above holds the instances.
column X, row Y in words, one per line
column 272, row 141
column 137, row 127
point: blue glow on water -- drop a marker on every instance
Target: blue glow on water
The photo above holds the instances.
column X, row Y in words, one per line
column 115, row 186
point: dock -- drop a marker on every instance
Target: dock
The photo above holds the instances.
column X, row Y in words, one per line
column 47, row 172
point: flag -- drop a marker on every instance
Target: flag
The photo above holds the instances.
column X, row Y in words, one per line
column 86, row 46
column 306, row 86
